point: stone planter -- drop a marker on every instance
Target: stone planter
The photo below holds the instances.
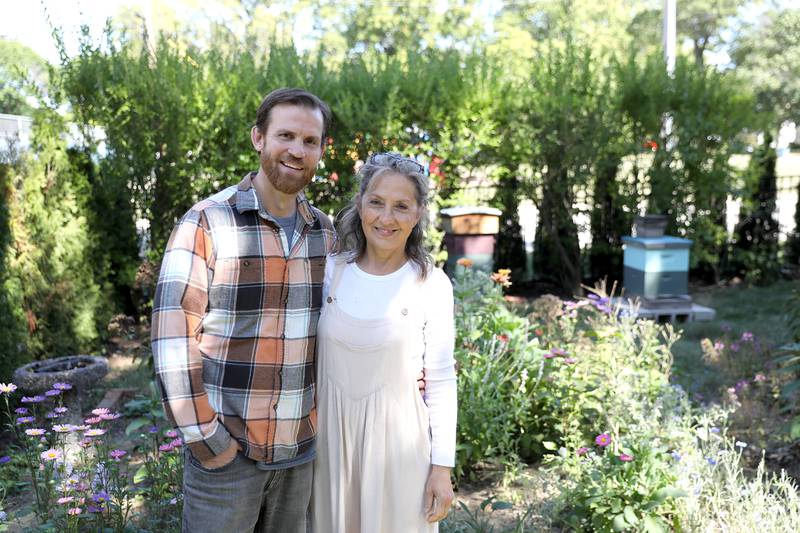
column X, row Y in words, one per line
column 649, row 225
column 80, row 371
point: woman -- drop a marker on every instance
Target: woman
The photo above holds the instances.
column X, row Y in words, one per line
column 384, row 455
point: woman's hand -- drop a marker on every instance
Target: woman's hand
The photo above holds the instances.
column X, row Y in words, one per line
column 438, row 493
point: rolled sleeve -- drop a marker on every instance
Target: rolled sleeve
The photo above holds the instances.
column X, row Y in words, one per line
column 179, row 306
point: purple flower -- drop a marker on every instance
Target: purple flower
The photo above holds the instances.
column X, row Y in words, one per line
column 719, row 346
column 711, row 461
column 5, row 459
column 153, row 429
column 603, row 440
column 558, row 351
column 62, row 386
column 21, row 410
column 53, row 392
column 32, row 399
column 570, row 361
column 60, row 410
column 101, row 497
column 25, row 419
column 171, row 433
column 760, row 377
column 675, row 455
column 94, row 508
column 747, row 336
column 117, row 454
column 50, row 455
column 734, row 346
column 583, row 450
column 625, row 458
column 549, row 355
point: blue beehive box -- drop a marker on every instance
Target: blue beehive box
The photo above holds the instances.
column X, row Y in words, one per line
column 656, row 268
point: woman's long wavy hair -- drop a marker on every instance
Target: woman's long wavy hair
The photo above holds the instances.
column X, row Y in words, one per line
column 351, row 239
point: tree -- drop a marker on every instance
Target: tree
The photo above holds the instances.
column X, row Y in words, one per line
column 21, row 69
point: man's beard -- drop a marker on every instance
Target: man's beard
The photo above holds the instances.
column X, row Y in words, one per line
column 283, row 182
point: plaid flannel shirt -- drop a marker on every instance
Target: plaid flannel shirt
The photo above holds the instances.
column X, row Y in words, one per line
column 234, row 326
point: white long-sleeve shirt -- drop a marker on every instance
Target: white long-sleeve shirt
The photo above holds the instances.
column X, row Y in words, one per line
column 368, row 296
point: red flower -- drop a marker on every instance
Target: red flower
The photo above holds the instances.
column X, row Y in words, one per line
column 502, row 337
column 651, row 145
column 334, row 177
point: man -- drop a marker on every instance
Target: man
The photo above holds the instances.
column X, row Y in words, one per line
column 234, row 330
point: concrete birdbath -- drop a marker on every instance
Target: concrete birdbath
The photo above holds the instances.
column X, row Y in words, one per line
column 80, row 371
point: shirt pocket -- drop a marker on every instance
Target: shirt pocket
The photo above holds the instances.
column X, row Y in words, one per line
column 237, row 285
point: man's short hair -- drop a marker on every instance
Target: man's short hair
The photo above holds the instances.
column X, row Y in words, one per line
column 299, row 97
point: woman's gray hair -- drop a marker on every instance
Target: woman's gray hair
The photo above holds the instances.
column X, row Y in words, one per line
column 351, row 239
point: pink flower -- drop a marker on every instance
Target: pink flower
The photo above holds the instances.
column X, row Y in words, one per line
column 583, row 450
column 117, row 454
column 558, row 351
column 165, row 448
column 50, row 455
column 36, row 432
column 94, row 433
column 747, row 336
column 624, row 457
column 549, row 355
column 110, row 416
column 176, row 443
column 570, row 361
column 171, row 433
column 100, row 411
column 603, row 440
column 719, row 346
column 64, row 500
column 760, row 377
column 93, row 420
column 75, row 511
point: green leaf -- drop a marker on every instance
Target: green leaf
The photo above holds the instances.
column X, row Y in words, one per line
column 630, row 516
column 651, row 525
column 499, row 506
column 549, row 445
column 140, row 475
column 619, row 523
column 135, row 424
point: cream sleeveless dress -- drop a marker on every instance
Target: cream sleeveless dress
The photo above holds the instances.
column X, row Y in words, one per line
column 373, row 440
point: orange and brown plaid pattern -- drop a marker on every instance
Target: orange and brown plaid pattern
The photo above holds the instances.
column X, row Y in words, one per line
column 234, row 326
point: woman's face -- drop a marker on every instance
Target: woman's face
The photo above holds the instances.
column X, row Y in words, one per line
column 389, row 211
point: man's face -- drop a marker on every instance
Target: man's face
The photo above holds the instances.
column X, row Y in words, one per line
column 291, row 147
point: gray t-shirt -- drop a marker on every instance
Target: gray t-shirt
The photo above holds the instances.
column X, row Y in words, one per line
column 288, row 223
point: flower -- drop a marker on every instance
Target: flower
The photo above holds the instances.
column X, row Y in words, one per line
column 101, row 497
column 7, row 388
column 650, row 145
column 740, row 444
column 152, row 429
column 21, row 410
column 502, row 337
column 85, row 443
column 734, row 346
column 93, row 420
column 603, row 440
column 64, row 499
column 760, row 377
column 176, row 443
column 502, row 277
column 75, row 511
column 94, row 432
column 582, row 450
column 100, row 411
column 110, row 416
column 714, row 430
column 3, row 516
column 558, row 351
column 5, row 459
column 719, row 346
column 675, row 455
column 171, row 433
column 63, row 428
column 52, row 392
column 94, row 508
column 570, row 361
column 62, row 386
column 165, row 448
column 117, row 454
column 464, row 262
column 549, row 355
column 625, row 458
column 25, row 420
column 60, row 410
column 538, row 332
column 747, row 336
column 52, row 415
column 711, row 461
column 32, row 399
column 50, row 455
column 35, row 432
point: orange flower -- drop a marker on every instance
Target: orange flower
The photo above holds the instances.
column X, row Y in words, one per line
column 651, row 145
column 464, row 262
column 502, row 277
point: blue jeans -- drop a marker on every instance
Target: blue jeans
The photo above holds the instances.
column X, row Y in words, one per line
column 239, row 497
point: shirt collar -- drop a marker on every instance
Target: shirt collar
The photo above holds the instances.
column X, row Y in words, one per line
column 247, row 200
